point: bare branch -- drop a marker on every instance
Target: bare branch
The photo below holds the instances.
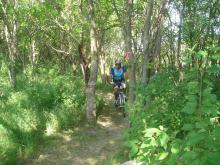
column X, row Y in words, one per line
column 58, row 50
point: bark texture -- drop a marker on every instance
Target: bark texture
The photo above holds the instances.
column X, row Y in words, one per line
column 10, row 34
column 90, row 89
column 146, row 38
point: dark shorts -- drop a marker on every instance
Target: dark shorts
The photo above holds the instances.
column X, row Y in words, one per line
column 118, row 83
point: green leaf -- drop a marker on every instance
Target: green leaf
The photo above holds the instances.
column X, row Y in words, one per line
column 214, row 120
column 175, row 148
column 144, row 145
column 211, row 109
column 190, row 155
column 190, row 107
column 187, row 127
column 187, row 60
column 196, row 162
column 216, row 48
column 209, row 102
column 202, row 54
column 164, row 138
column 213, row 70
column 212, row 158
column 216, row 132
column 153, row 143
column 208, row 96
column 210, row 143
column 134, row 149
column 161, row 127
column 131, row 142
column 163, row 155
column 133, row 146
column 151, row 132
column 193, row 87
column 202, row 124
column 216, row 57
column 195, row 138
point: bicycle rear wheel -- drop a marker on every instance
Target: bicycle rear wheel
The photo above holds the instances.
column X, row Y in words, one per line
column 122, row 103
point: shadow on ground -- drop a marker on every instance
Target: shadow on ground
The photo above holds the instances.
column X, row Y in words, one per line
column 85, row 145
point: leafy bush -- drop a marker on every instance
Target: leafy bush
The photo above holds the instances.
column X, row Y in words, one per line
column 39, row 106
column 176, row 121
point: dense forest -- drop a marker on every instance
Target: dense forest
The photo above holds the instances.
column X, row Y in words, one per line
column 55, row 58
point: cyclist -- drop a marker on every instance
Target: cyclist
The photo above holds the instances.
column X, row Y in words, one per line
column 118, row 74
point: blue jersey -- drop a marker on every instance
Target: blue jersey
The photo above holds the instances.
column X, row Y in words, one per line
column 118, row 74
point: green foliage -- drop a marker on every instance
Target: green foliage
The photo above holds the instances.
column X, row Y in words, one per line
column 100, row 105
column 38, row 107
column 176, row 121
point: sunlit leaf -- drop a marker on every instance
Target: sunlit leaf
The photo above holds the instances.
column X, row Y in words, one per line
column 151, row 131
column 187, row 60
column 216, row 57
column 175, row 148
column 164, row 138
column 163, row 155
column 201, row 54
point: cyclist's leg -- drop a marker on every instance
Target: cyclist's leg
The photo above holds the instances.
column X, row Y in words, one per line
column 123, row 84
column 116, row 91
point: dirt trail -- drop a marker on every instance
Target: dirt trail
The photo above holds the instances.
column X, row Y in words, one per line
column 85, row 145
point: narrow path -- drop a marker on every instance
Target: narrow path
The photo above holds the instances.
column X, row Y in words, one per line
column 85, row 145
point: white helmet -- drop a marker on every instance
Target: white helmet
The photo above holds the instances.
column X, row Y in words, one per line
column 117, row 61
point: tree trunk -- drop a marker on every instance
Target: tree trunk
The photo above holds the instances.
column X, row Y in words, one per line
column 33, row 56
column 151, row 49
column 12, row 56
column 90, row 89
column 83, row 59
column 10, row 33
column 84, row 63
column 12, row 74
column 128, row 49
column 157, row 50
column 179, row 39
column 146, row 38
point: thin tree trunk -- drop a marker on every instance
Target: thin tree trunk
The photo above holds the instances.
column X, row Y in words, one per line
column 13, row 55
column 83, row 60
column 179, row 39
column 155, row 42
column 33, row 56
column 10, row 33
column 84, row 63
column 157, row 50
column 90, row 91
column 128, row 49
column 146, row 38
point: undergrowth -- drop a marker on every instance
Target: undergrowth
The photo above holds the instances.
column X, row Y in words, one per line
column 40, row 106
column 175, row 119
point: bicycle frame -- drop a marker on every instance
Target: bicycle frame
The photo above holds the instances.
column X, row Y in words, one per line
column 121, row 98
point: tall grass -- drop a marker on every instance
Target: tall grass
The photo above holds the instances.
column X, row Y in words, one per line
column 40, row 106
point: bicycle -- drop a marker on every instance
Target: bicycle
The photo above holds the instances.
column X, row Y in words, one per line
column 121, row 98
